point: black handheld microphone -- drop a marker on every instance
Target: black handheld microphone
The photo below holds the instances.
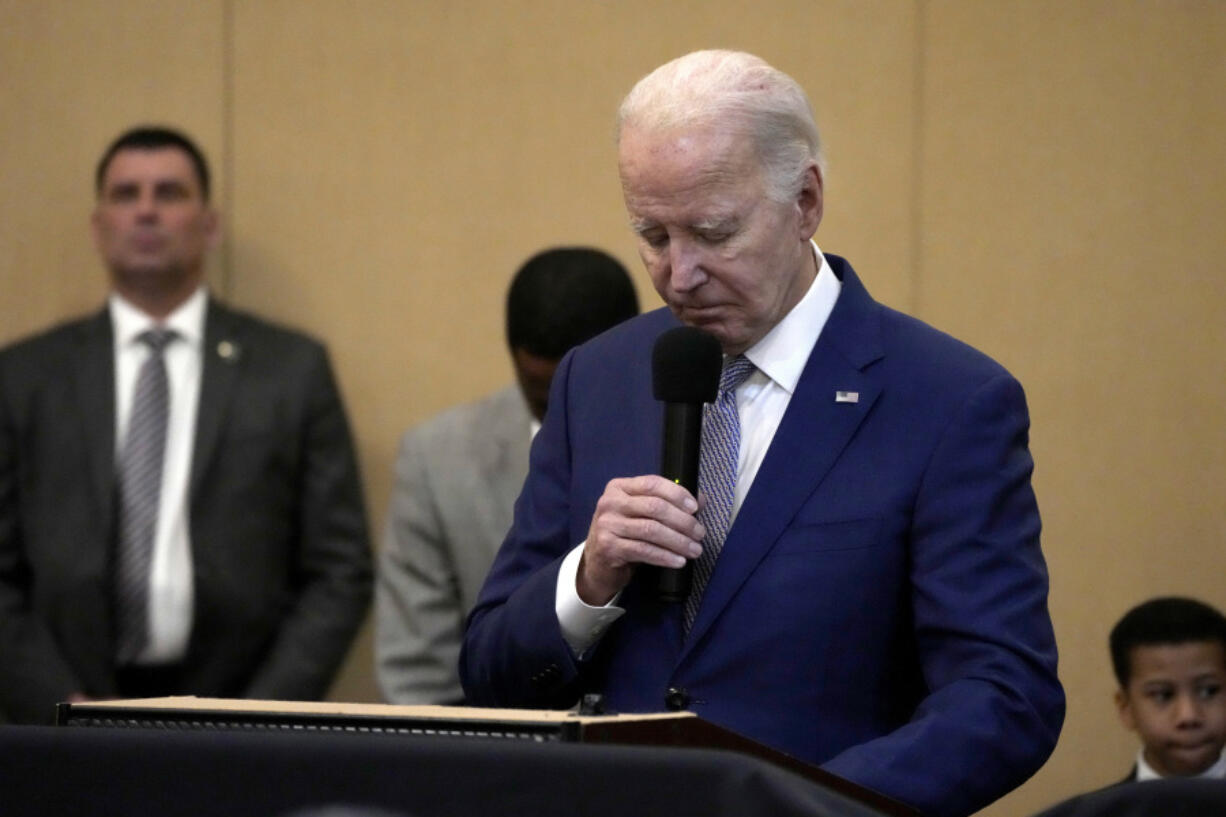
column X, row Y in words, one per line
column 685, row 369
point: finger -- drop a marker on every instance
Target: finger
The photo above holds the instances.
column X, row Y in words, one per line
column 622, row 551
column 655, row 485
column 656, row 533
column 644, row 498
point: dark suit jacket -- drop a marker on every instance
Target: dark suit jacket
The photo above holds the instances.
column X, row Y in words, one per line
column 278, row 532
column 1169, row 797
column 880, row 604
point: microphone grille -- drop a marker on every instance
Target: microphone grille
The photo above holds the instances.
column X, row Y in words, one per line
column 685, row 366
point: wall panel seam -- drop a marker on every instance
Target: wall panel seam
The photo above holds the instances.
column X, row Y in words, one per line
column 919, row 102
column 226, row 272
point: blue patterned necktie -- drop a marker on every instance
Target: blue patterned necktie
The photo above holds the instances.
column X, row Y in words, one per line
column 140, row 489
column 721, row 443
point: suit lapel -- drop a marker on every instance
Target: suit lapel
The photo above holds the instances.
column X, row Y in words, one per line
column 220, row 365
column 94, row 378
column 815, row 430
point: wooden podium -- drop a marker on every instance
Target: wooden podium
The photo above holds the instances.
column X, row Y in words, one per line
column 673, row 729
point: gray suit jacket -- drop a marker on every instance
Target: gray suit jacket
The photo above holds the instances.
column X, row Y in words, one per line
column 279, row 542
column 457, row 478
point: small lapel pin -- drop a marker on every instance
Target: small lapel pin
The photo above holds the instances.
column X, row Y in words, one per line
column 229, row 351
column 847, row 397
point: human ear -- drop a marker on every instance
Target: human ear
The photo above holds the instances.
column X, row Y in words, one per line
column 810, row 201
column 212, row 227
column 1123, row 706
column 95, row 228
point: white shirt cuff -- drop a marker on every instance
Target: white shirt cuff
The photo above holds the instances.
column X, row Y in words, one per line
column 582, row 624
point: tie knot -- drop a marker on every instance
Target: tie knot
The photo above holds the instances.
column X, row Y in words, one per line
column 736, row 370
column 157, row 338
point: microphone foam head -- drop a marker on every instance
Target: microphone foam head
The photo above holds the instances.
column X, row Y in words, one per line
column 685, row 366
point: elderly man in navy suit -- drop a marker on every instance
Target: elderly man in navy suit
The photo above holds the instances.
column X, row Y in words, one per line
column 879, row 602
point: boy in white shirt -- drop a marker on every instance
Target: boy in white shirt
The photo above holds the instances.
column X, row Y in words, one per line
column 1169, row 656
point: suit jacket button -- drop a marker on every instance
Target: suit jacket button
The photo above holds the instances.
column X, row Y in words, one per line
column 676, row 699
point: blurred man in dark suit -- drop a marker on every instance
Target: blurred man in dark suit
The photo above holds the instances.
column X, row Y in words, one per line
column 180, row 510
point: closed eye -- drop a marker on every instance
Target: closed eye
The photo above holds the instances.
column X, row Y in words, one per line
column 714, row 236
column 654, row 238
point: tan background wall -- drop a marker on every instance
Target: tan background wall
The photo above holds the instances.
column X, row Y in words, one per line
column 1045, row 179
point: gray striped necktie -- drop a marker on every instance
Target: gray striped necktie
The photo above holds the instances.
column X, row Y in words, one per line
column 140, row 488
column 721, row 443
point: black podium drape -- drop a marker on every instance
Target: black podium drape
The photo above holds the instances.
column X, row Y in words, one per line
column 102, row 772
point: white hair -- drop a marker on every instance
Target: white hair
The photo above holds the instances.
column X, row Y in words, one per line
column 734, row 91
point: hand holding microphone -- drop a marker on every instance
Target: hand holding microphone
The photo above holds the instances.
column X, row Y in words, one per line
column 649, row 520
column 685, row 369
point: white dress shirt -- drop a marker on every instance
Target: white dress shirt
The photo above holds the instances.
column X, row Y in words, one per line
column 170, row 580
column 761, row 401
column 1146, row 772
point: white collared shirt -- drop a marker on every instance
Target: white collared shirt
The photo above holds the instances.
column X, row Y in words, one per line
column 170, row 582
column 1146, row 772
column 780, row 357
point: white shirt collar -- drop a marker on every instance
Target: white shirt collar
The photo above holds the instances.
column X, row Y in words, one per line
column 1146, row 772
column 128, row 321
column 782, row 353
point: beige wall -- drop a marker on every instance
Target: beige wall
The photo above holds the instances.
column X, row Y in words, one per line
column 1045, row 179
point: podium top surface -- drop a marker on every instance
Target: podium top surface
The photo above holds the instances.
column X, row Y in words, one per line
column 192, row 704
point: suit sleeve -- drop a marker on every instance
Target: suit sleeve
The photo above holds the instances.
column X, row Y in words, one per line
column 331, row 570
column 34, row 674
column 514, row 653
column 979, row 585
column 419, row 617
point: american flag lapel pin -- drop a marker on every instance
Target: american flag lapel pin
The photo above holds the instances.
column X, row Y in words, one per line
column 847, row 397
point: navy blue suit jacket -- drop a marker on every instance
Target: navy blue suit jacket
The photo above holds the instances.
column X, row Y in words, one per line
column 880, row 604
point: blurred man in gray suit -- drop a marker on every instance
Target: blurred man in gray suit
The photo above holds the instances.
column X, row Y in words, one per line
column 458, row 474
